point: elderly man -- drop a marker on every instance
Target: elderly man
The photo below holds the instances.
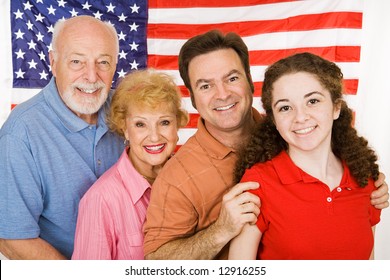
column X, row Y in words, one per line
column 54, row 146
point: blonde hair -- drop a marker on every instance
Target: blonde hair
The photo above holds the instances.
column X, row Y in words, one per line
column 144, row 89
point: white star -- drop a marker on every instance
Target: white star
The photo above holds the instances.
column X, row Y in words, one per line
column 97, row 15
column 31, row 45
column 121, row 73
column 19, row 34
column 86, row 6
column 27, row 6
column 20, row 54
column 32, row 64
column 20, row 74
column 43, row 75
column 122, row 17
column 40, row 37
column 109, row 22
column 39, row 17
column 134, row 64
column 134, row 46
column 122, row 54
column 122, row 36
column 110, row 8
column 51, row 10
column 73, row 12
column 49, row 48
column 61, row 3
column 133, row 27
column 18, row 14
column 50, row 28
column 40, row 1
column 30, row 25
column 42, row 56
column 135, row 8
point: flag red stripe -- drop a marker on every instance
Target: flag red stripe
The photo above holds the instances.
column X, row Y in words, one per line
column 193, row 121
column 210, row 3
column 249, row 28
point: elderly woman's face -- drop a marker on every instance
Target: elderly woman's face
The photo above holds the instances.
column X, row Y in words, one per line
column 152, row 134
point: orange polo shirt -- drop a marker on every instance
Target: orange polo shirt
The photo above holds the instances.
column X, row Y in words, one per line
column 302, row 219
column 187, row 194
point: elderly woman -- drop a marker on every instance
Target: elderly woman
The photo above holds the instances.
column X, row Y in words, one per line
column 146, row 112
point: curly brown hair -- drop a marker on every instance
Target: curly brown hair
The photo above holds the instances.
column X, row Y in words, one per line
column 266, row 142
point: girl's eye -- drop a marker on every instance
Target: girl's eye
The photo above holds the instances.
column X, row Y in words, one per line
column 284, row 108
column 313, row 101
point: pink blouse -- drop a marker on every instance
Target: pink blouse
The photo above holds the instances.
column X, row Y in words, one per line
column 112, row 214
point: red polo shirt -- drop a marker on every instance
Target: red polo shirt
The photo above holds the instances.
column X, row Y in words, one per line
column 302, row 219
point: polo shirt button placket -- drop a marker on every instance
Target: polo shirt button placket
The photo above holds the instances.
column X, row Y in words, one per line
column 329, row 199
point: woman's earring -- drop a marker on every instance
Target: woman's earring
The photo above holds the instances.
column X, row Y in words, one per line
column 126, row 142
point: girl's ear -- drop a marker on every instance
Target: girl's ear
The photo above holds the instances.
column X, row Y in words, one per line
column 337, row 109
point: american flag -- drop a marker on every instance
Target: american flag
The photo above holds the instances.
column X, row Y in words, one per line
column 152, row 32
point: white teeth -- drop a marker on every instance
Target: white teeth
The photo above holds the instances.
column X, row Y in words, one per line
column 87, row 90
column 155, row 148
column 304, row 131
column 224, row 108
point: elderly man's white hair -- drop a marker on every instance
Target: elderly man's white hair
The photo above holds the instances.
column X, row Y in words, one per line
column 60, row 24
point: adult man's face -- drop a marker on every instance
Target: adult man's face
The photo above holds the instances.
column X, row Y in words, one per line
column 222, row 93
column 84, row 64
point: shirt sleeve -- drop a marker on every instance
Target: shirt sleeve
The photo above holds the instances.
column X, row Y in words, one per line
column 21, row 199
column 252, row 175
column 95, row 235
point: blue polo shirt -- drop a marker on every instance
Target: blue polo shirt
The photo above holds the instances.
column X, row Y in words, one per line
column 48, row 159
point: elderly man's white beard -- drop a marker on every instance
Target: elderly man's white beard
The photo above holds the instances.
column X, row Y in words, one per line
column 86, row 105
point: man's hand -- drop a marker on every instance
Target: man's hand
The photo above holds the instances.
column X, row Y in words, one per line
column 380, row 197
column 238, row 208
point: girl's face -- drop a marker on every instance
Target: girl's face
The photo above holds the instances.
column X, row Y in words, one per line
column 303, row 112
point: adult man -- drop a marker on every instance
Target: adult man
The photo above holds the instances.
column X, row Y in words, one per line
column 54, row 146
column 194, row 211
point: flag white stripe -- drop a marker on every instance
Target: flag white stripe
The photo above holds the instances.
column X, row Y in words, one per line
column 250, row 13
column 274, row 41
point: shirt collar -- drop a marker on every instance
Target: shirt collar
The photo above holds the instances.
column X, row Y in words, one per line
column 289, row 173
column 135, row 184
column 213, row 147
column 66, row 116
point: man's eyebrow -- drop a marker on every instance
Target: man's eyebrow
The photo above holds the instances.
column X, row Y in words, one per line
column 201, row 81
